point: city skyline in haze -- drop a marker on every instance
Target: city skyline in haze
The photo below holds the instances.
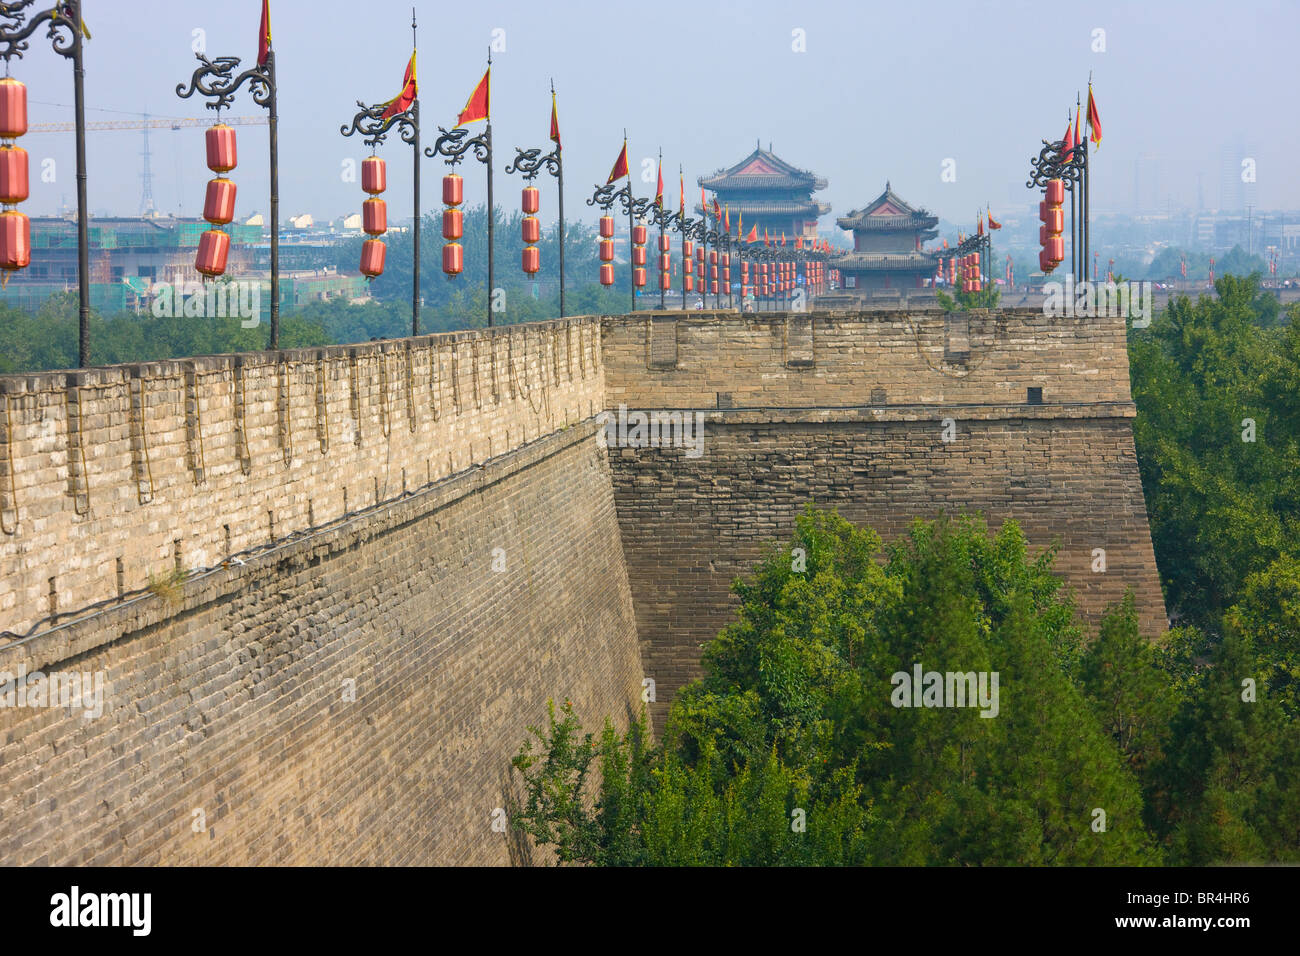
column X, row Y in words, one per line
column 948, row 102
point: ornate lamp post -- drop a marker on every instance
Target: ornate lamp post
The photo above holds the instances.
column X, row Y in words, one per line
column 530, row 162
column 373, row 126
column 1052, row 164
column 215, row 80
column 65, row 33
column 604, row 198
column 453, row 145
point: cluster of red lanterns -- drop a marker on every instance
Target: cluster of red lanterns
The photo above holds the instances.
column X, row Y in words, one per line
column 638, row 255
column 374, row 216
column 688, row 265
column 970, row 273
column 814, row 273
column 453, row 224
column 532, row 230
column 665, row 262
column 606, row 250
column 1052, row 213
column 218, row 202
column 15, row 227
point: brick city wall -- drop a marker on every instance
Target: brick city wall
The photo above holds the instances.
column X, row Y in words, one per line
column 353, row 696
column 111, row 476
column 855, row 420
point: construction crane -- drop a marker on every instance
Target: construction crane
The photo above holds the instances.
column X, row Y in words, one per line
column 148, row 124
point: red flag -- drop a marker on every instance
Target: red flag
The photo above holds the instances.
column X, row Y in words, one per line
column 993, row 224
column 659, row 190
column 704, row 203
column 620, row 165
column 1068, row 151
column 410, row 90
column 979, row 225
column 945, row 243
column 753, row 234
column 682, row 180
column 1094, row 118
column 783, row 237
column 264, row 34
column 717, row 210
column 798, row 242
column 766, row 240
column 726, row 223
column 478, row 106
column 555, row 124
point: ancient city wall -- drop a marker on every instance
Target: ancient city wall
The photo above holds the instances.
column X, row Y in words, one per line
column 856, row 417
column 112, row 476
column 352, row 696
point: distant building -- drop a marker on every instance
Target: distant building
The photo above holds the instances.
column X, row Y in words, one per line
column 887, row 237
column 770, row 194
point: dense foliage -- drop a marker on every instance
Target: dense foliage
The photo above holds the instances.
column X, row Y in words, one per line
column 791, row 749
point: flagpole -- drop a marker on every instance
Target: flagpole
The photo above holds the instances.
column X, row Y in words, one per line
column 491, row 209
column 559, row 175
column 663, row 293
column 415, row 166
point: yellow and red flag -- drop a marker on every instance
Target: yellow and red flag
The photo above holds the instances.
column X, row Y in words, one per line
column 1078, row 139
column 410, row 90
column 717, row 210
column 766, row 239
column 681, row 181
column 479, row 105
column 740, row 225
column 798, row 242
column 1094, row 118
column 783, row 237
column 264, row 34
column 993, row 223
column 753, row 234
column 620, row 165
column 1068, row 151
column 726, row 220
column 555, row 124
column 659, row 190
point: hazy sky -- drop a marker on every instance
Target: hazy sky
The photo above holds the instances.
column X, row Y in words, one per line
column 883, row 91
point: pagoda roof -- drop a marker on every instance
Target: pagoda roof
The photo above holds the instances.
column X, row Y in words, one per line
column 763, row 169
column 888, row 212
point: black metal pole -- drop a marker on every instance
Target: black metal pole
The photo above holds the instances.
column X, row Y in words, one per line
column 491, row 222
column 559, row 162
column 631, row 266
column 275, row 203
column 415, row 252
column 83, row 224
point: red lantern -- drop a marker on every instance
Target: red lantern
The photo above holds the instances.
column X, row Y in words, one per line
column 531, row 200
column 222, row 153
column 665, row 281
column 1056, row 249
column 219, row 202
column 665, row 261
column 665, row 243
column 374, row 217
column 606, row 274
column 713, row 257
column 453, row 190
column 713, row 286
column 638, row 256
column 453, row 224
column 1055, row 220
column 14, row 185
column 690, row 282
column 374, row 175
column 1055, row 192
column 726, row 259
column 1045, row 264
column 713, row 272
column 638, row 235
column 607, row 250
column 372, row 257
column 638, row 278
column 606, row 227
column 15, row 240
column 726, row 276
column 532, row 228
column 688, row 248
column 13, row 108
column 214, row 247
column 699, row 254
column 532, row 260
column 453, row 257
